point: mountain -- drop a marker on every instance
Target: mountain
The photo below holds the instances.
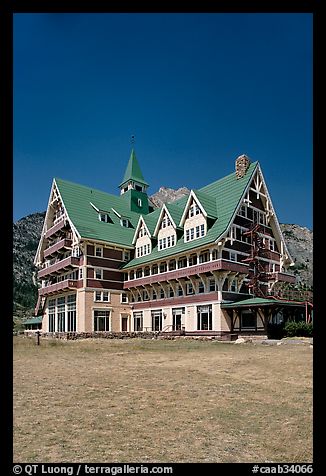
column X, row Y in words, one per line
column 27, row 232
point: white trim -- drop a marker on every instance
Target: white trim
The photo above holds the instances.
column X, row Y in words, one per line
column 141, row 219
column 193, row 196
column 160, row 218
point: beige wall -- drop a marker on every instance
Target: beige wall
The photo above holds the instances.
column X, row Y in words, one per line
column 115, row 306
column 167, row 231
column 194, row 221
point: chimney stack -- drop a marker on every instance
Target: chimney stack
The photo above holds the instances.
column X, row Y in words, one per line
column 241, row 165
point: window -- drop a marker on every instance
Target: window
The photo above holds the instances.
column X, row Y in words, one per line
column 101, row 320
column 233, row 286
column 101, row 296
column 212, row 286
column 190, row 289
column 154, row 295
column 248, row 320
column 139, row 202
column 139, row 273
column 204, row 257
column 233, row 256
column 138, row 321
column 182, row 263
column 145, row 296
column 98, row 273
column 187, row 235
column 124, row 298
column 103, row 217
column 124, row 222
column 196, row 232
column 154, row 269
column 97, row 296
column 99, row 251
column 272, row 245
column 51, row 309
column 180, row 291
column 80, row 276
column 171, row 292
column 147, row 271
column 76, row 252
column 162, row 294
column 138, row 188
column 163, row 268
column 61, row 314
column 142, row 231
column 166, row 222
column 157, row 320
column 126, row 256
column 204, row 318
column 201, row 288
column 71, row 311
column 172, row 265
column 194, row 210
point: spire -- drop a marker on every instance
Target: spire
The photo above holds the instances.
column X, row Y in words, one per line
column 133, row 172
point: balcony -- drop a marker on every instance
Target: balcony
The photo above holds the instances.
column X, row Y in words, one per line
column 55, row 228
column 65, row 243
column 63, row 285
column 285, row 277
column 209, row 266
column 71, row 261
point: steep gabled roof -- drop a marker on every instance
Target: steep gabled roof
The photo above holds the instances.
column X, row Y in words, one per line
column 133, row 171
column 227, row 193
column 78, row 200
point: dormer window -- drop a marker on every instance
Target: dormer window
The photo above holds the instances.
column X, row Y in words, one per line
column 142, row 232
column 103, row 217
column 194, row 210
column 166, row 222
column 124, row 222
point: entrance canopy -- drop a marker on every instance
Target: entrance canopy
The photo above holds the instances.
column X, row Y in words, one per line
column 263, row 302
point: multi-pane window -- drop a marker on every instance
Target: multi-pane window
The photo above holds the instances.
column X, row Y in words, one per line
column 124, row 222
column 157, row 320
column 201, row 288
column 99, row 251
column 180, row 291
column 126, row 256
column 166, row 222
column 103, row 217
column 162, row 293
column 204, row 318
column 101, row 296
column 98, row 273
column 166, row 242
column 61, row 314
column 80, row 273
column 138, row 321
column 194, row 210
column 189, row 288
column 51, row 310
column 124, row 298
column 233, row 256
column 71, row 311
column 194, row 233
column 101, row 320
column 233, row 286
column 143, row 250
column 154, row 295
column 171, row 292
column 142, row 231
column 212, row 286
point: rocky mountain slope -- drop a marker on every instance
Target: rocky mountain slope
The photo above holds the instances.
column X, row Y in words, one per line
column 27, row 231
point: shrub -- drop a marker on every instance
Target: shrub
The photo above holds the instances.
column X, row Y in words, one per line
column 297, row 329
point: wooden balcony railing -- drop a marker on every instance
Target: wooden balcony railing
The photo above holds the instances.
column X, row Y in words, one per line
column 58, row 226
column 64, row 263
column 65, row 243
column 53, row 288
column 216, row 265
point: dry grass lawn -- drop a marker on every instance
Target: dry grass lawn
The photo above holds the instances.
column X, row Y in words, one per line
column 161, row 401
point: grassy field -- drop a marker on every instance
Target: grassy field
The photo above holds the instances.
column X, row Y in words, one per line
column 161, row 401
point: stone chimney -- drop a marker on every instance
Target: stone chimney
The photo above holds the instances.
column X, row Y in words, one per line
column 241, row 165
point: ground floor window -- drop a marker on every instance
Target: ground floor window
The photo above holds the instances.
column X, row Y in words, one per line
column 248, row 320
column 61, row 314
column 51, row 309
column 157, row 320
column 204, row 318
column 71, row 311
column 101, row 320
column 138, row 321
column 177, row 318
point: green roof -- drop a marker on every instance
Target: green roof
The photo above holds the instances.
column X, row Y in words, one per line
column 227, row 193
column 176, row 212
column 208, row 202
column 33, row 320
column 133, row 171
column 78, row 201
column 261, row 302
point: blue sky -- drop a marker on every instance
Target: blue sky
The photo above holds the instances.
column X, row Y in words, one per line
column 196, row 90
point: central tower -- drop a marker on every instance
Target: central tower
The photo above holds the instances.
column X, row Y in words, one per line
column 133, row 187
